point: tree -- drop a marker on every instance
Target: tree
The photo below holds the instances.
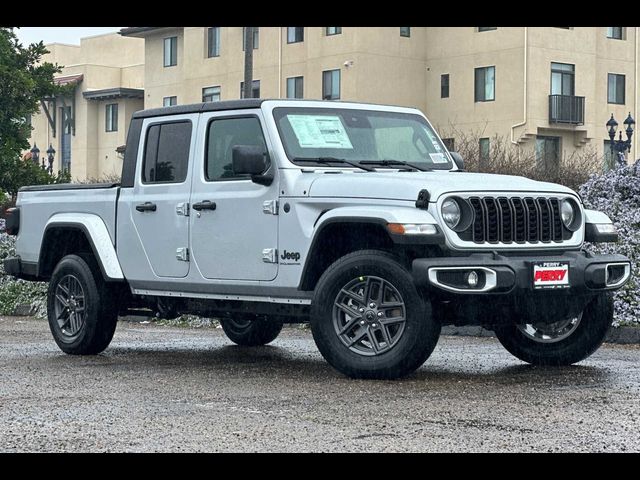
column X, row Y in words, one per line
column 24, row 80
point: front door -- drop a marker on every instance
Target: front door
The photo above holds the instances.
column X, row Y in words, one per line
column 234, row 234
column 159, row 202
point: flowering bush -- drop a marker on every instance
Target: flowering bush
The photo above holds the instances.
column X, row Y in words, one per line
column 617, row 193
column 18, row 292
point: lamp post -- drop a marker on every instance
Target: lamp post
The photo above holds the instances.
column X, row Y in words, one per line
column 50, row 153
column 35, row 154
column 618, row 147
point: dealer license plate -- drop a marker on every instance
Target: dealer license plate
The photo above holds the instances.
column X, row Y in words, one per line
column 551, row 275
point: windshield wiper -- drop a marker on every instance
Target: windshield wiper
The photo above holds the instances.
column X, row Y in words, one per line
column 391, row 163
column 329, row 160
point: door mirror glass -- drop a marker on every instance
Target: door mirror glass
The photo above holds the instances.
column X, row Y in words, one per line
column 252, row 160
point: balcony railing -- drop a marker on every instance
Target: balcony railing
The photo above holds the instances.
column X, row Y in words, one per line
column 566, row 109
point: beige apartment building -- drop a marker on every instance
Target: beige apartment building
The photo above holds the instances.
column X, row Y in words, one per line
column 87, row 124
column 550, row 89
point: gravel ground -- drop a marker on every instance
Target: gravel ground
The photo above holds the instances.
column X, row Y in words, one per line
column 161, row 388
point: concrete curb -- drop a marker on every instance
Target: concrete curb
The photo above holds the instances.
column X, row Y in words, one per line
column 620, row 335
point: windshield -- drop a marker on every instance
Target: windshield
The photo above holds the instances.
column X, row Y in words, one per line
column 359, row 135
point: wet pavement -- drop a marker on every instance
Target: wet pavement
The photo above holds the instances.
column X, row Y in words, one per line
column 180, row 389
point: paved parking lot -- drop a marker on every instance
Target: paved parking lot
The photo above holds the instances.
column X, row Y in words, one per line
column 179, row 389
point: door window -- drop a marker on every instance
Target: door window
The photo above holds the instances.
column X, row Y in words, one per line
column 166, row 154
column 224, row 134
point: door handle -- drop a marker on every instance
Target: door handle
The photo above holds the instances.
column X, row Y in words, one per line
column 146, row 207
column 204, row 205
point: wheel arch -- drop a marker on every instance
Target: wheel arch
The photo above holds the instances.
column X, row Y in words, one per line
column 348, row 229
column 66, row 234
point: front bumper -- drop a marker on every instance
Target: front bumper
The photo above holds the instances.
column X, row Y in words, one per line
column 509, row 274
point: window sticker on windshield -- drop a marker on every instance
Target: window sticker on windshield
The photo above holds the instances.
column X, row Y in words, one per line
column 436, row 145
column 316, row 131
column 438, row 158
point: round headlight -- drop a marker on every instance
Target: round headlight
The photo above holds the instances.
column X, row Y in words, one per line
column 568, row 212
column 451, row 213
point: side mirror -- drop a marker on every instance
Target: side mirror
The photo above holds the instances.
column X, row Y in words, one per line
column 457, row 158
column 252, row 160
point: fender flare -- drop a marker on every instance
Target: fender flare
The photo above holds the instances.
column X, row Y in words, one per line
column 376, row 215
column 379, row 214
column 98, row 236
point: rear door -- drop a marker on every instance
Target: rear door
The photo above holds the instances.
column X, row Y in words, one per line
column 158, row 207
column 236, row 238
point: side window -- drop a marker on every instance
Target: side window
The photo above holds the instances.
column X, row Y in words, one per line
column 223, row 135
column 166, row 153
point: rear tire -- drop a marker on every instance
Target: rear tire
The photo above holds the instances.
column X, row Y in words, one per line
column 571, row 344
column 368, row 319
column 251, row 332
column 81, row 307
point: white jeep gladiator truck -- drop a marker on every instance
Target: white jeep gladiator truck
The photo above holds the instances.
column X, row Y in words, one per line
column 353, row 217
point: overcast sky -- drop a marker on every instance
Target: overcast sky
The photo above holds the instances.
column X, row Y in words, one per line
column 59, row 34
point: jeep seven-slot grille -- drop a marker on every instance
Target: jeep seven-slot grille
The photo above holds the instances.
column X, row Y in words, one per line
column 519, row 220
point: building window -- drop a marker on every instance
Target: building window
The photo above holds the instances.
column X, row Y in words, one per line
column 333, row 31
column 331, row 85
column 486, row 29
column 405, row 32
column 444, row 86
column 211, row 94
column 295, row 34
column 563, row 79
column 170, row 51
column 485, row 88
column 111, row 117
column 615, row 88
column 295, row 87
column 616, row 33
column 449, row 143
column 484, row 149
column 223, row 134
column 166, row 153
column 169, row 101
column 547, row 152
column 255, row 89
column 256, row 38
column 213, row 42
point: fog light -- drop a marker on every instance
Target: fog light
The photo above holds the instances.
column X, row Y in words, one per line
column 472, row 279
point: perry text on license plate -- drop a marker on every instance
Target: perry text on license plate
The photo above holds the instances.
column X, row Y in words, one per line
column 551, row 275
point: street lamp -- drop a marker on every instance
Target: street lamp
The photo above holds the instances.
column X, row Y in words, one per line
column 50, row 153
column 620, row 146
column 35, row 154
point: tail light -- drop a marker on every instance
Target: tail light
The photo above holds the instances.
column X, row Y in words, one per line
column 12, row 220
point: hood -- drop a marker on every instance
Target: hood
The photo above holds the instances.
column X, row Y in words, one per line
column 394, row 185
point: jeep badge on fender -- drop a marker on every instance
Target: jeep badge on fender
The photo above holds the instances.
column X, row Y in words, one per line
column 387, row 238
column 295, row 256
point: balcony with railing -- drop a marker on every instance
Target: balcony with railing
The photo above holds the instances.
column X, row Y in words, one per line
column 567, row 109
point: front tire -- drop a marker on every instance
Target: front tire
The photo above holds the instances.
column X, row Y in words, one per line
column 563, row 343
column 368, row 319
column 81, row 307
column 251, row 331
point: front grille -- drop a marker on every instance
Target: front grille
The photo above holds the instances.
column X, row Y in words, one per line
column 514, row 220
